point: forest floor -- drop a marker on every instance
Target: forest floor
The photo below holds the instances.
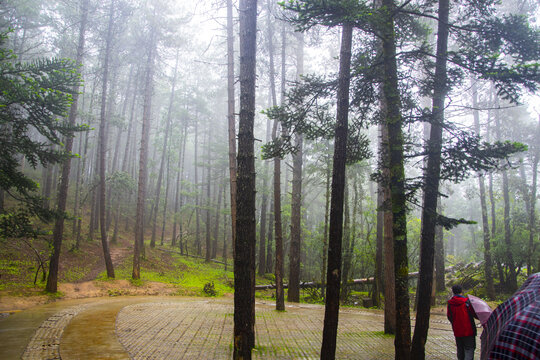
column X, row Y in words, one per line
column 82, row 275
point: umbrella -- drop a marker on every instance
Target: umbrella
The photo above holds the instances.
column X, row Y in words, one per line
column 513, row 330
column 481, row 308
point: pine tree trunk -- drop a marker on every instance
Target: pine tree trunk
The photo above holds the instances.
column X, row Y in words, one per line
column 216, row 225
column 532, row 210
column 333, row 278
column 208, row 250
column 431, row 189
column 326, row 218
column 197, row 196
column 244, row 262
column 394, row 122
column 485, row 224
column 296, row 229
column 296, row 197
column 103, row 149
column 143, row 157
column 269, row 255
column 511, row 279
column 167, row 182
column 164, row 153
column 377, row 285
column 231, row 119
column 178, row 191
column 58, row 232
column 264, row 207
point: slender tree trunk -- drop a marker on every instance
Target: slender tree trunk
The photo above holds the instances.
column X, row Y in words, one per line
column 377, row 285
column 244, row 262
column 347, row 244
column 231, row 118
column 485, row 224
column 216, row 225
column 52, row 280
column 103, row 148
column 269, row 256
column 397, row 182
column 167, row 182
column 296, row 198
column 143, row 157
column 197, row 196
column 179, row 178
column 208, row 250
column 333, row 278
column 264, row 206
column 511, row 279
column 431, row 189
column 326, row 218
column 532, row 210
column 164, row 153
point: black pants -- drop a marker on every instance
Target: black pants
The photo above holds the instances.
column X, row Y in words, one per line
column 465, row 347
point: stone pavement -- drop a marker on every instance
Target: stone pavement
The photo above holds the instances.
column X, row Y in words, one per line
column 196, row 328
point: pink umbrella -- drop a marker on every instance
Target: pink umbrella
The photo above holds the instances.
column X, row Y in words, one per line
column 481, row 308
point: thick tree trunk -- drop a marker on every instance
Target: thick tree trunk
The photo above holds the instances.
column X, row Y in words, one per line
column 178, row 192
column 58, row 232
column 432, row 177
column 333, row 278
column 397, row 182
column 143, row 157
column 103, row 149
column 244, row 262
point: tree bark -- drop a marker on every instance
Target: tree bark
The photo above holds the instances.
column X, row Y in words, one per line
column 296, row 198
column 230, row 117
column 394, row 122
column 326, row 218
column 103, row 148
column 208, row 250
column 333, row 278
column 244, row 262
column 488, row 265
column 511, row 279
column 164, row 152
column 143, row 156
column 58, row 232
column 431, row 189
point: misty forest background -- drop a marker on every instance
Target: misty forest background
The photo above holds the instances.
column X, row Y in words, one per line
column 151, row 126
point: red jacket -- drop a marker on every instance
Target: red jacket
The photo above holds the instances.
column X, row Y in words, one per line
column 460, row 314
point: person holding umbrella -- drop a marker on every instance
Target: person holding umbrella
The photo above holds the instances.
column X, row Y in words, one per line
column 461, row 315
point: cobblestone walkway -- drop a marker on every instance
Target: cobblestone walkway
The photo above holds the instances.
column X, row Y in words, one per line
column 179, row 328
column 202, row 330
column 45, row 343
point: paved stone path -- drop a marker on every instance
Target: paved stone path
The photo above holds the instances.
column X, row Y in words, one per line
column 195, row 328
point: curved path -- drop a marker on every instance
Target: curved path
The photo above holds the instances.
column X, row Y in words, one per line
column 194, row 328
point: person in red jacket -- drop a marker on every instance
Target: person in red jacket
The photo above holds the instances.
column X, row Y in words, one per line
column 461, row 316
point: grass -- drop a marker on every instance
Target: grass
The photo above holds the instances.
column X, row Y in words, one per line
column 188, row 275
